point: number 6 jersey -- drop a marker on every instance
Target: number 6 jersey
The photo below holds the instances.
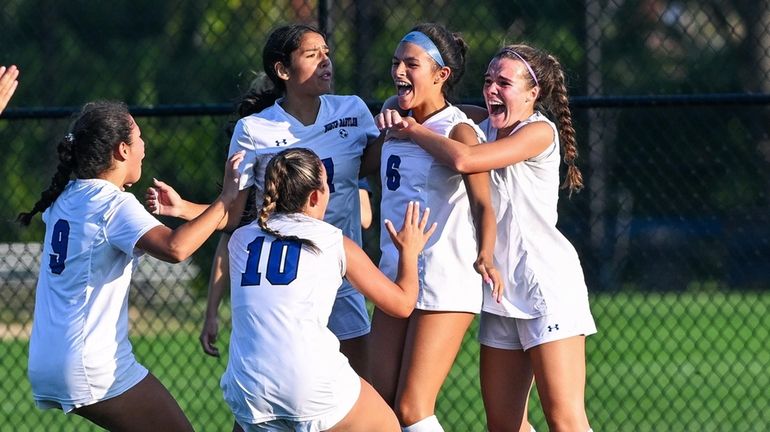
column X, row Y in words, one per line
column 447, row 279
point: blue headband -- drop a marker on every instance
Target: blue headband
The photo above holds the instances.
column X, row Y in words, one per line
column 424, row 42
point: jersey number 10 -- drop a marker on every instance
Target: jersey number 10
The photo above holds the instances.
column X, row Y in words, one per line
column 282, row 262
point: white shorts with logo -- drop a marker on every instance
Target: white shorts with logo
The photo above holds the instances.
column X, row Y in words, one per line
column 349, row 318
column 508, row 333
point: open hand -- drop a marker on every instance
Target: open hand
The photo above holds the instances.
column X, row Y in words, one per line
column 162, row 199
column 412, row 236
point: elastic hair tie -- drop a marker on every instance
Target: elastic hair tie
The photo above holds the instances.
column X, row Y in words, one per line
column 423, row 41
column 70, row 138
column 529, row 68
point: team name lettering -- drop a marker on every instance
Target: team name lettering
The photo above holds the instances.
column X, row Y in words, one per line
column 342, row 122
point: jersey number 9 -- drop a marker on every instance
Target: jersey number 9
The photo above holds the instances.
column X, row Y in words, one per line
column 59, row 243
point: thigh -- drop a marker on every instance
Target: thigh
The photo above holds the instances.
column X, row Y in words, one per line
column 370, row 413
column 433, row 340
column 386, row 345
column 146, row 406
column 560, row 374
column 506, row 379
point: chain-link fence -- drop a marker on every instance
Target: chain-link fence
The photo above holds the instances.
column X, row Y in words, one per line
column 670, row 100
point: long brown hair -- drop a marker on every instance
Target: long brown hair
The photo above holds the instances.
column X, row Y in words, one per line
column 552, row 99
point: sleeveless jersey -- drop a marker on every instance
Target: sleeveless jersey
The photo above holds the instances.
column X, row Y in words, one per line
column 541, row 270
column 447, row 279
column 79, row 351
column 339, row 136
column 284, row 362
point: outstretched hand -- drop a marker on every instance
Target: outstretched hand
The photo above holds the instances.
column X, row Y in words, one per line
column 412, row 236
column 8, row 83
column 163, row 200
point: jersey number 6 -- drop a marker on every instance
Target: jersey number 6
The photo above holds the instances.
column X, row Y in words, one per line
column 391, row 172
column 282, row 262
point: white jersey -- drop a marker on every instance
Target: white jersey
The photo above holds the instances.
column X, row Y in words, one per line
column 339, row 136
column 447, row 279
column 284, row 362
column 79, row 351
column 541, row 268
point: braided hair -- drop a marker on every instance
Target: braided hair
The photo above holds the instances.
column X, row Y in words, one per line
column 552, row 99
column 290, row 177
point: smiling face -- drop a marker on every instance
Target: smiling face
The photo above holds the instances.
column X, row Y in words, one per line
column 310, row 71
column 417, row 77
column 508, row 92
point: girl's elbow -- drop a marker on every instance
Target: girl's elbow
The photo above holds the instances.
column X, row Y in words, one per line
column 403, row 311
column 461, row 164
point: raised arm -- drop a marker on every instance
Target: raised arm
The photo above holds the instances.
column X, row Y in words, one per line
column 527, row 142
column 394, row 298
column 178, row 244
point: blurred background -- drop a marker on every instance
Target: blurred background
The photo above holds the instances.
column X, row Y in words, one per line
column 670, row 103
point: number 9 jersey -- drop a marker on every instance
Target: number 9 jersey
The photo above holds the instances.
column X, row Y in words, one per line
column 79, row 351
column 447, row 279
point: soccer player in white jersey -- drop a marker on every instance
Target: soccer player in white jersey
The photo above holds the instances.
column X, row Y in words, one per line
column 292, row 107
column 412, row 357
column 285, row 371
column 537, row 327
column 80, row 357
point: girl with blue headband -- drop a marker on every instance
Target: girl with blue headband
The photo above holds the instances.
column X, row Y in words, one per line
column 411, row 357
column 536, row 328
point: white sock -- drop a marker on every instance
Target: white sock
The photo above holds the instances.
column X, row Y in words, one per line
column 428, row 424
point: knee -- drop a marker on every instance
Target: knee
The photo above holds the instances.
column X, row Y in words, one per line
column 410, row 411
column 567, row 420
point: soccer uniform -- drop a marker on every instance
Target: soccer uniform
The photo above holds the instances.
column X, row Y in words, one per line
column 79, row 350
column 284, row 363
column 447, row 279
column 543, row 279
column 339, row 136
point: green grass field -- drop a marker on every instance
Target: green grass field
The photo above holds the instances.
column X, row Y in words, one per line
column 676, row 362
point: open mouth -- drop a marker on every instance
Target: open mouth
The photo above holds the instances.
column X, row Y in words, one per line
column 495, row 108
column 403, row 88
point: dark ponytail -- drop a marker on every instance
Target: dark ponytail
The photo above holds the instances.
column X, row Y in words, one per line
column 63, row 171
column 87, row 150
column 266, row 88
column 453, row 50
